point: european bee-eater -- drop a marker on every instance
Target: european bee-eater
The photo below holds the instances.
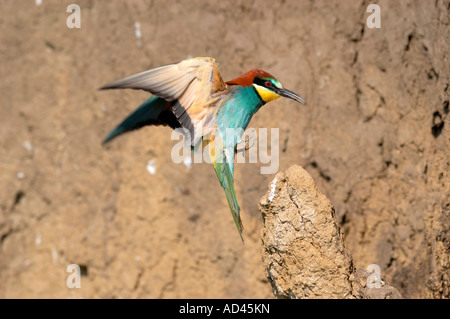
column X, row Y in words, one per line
column 192, row 95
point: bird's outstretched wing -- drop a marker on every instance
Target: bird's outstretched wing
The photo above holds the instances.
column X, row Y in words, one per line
column 154, row 111
column 192, row 86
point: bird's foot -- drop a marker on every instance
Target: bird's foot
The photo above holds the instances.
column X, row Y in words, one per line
column 249, row 142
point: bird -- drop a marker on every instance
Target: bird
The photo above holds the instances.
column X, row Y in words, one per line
column 192, row 95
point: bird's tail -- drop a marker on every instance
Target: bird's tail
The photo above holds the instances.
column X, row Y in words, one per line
column 225, row 176
column 151, row 112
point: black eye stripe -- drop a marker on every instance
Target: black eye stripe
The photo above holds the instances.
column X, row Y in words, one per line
column 264, row 83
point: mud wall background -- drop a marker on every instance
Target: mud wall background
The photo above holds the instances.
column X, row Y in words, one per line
column 374, row 136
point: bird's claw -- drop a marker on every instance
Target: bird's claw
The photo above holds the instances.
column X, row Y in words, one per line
column 249, row 142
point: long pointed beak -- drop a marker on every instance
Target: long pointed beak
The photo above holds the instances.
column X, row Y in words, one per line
column 291, row 95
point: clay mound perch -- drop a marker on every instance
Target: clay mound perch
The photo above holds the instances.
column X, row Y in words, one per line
column 303, row 249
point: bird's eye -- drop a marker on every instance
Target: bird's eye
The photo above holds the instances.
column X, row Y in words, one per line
column 268, row 83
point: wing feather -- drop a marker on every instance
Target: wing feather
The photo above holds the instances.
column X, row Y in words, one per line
column 190, row 85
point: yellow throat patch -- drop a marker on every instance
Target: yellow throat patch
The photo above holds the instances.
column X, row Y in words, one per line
column 265, row 94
